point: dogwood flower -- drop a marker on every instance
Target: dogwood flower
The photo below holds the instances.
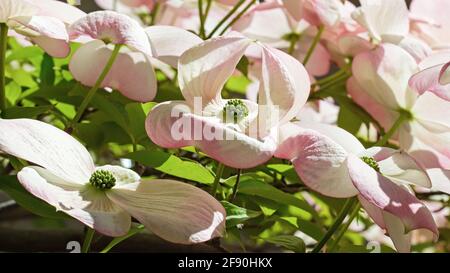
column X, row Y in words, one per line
column 180, row 14
column 238, row 133
column 144, row 11
column 120, row 5
column 334, row 163
column 104, row 198
column 380, row 85
column 185, row 14
column 433, row 75
column 258, row 24
column 42, row 22
column 385, row 21
column 317, row 12
column 132, row 72
column 323, row 111
column 430, row 23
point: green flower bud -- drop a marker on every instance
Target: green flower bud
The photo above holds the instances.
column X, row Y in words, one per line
column 102, row 180
column 371, row 162
column 235, row 109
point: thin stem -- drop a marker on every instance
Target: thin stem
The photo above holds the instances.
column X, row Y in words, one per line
column 202, row 19
column 340, row 79
column 324, row 90
column 345, row 227
column 201, row 31
column 236, row 185
column 87, row 240
column 219, row 173
column 118, row 240
column 3, row 46
column 154, row 13
column 224, row 19
column 16, row 163
column 208, row 8
column 235, row 19
column 337, row 223
column 404, row 115
column 134, row 144
column 96, row 86
column 292, row 44
column 203, row 16
column 331, row 78
column 313, row 45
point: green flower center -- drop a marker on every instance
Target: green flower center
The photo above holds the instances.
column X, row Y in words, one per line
column 235, row 110
column 102, row 180
column 293, row 36
column 406, row 114
column 371, row 162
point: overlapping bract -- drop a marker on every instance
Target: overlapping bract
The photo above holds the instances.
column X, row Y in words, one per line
column 175, row 211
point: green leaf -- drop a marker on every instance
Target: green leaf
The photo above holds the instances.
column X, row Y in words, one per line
column 91, row 134
column 23, row 78
column 135, row 229
column 12, row 187
column 285, row 170
column 59, row 92
column 345, row 102
column 237, row 215
column 136, row 118
column 173, row 165
column 26, row 112
column 112, row 133
column 268, row 207
column 349, row 121
column 113, row 110
column 238, row 84
column 168, row 91
column 68, row 110
column 289, row 242
column 24, row 53
column 13, row 92
column 307, row 227
column 242, row 66
column 258, row 188
column 47, row 75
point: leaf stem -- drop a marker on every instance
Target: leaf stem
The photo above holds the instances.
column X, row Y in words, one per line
column 348, row 206
column 236, row 185
column 323, row 92
column 208, row 8
column 219, row 173
column 87, row 240
column 96, row 86
column 154, row 13
column 345, row 227
column 313, row 45
column 337, row 80
column 330, row 78
column 404, row 116
column 235, row 19
column 201, row 31
column 118, row 240
column 225, row 18
column 3, row 46
column 293, row 42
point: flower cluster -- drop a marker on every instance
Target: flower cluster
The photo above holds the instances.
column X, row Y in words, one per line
column 354, row 98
